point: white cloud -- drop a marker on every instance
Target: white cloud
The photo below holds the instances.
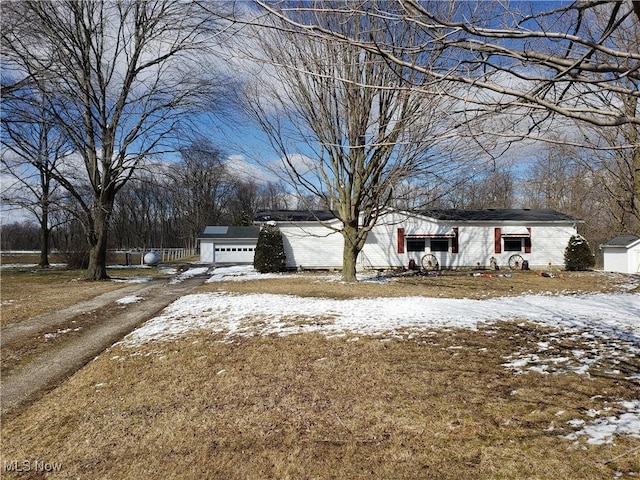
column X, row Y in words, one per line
column 242, row 169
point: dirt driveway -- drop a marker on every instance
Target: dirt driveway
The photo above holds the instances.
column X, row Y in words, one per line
column 40, row 352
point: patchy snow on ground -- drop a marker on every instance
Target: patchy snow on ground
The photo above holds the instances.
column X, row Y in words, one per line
column 132, row 280
column 129, row 299
column 244, row 273
column 51, row 336
column 597, row 316
column 621, row 420
column 240, row 273
column 128, row 267
column 9, row 266
column 606, row 326
column 168, row 270
column 189, row 273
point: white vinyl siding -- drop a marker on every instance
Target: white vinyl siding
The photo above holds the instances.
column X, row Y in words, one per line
column 622, row 259
column 313, row 245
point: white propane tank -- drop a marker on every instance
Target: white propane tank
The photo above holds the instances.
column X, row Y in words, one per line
column 152, row 258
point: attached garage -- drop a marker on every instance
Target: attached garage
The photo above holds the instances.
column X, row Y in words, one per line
column 622, row 254
column 228, row 245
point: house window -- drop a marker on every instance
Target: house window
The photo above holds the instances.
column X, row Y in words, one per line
column 415, row 245
column 440, row 245
column 512, row 244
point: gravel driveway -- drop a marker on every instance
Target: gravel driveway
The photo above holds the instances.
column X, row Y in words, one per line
column 79, row 334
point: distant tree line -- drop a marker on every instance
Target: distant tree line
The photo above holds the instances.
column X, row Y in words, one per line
column 168, row 205
column 164, row 205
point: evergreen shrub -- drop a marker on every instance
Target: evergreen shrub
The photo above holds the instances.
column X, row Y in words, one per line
column 269, row 256
column 578, row 254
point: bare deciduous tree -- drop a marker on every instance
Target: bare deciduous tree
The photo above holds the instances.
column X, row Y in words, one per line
column 533, row 61
column 117, row 77
column 201, row 187
column 557, row 180
column 32, row 149
column 349, row 129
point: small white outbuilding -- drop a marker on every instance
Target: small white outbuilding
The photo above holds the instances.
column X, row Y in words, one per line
column 622, row 254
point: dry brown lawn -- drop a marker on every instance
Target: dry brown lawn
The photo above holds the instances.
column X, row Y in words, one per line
column 449, row 284
column 438, row 406
column 27, row 292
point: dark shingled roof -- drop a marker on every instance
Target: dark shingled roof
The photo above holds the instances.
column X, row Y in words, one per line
column 488, row 215
column 621, row 241
column 293, row 215
column 221, row 232
column 499, row 215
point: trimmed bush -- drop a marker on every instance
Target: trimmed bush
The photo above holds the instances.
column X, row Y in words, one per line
column 269, row 256
column 578, row 255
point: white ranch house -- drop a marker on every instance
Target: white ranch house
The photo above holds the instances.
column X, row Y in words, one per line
column 452, row 238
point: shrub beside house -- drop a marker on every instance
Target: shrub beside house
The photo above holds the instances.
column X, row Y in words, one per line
column 578, row 255
column 269, row 256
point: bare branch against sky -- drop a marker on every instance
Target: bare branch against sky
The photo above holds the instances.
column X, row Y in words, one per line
column 118, row 77
column 349, row 128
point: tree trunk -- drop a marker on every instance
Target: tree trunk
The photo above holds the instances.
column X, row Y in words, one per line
column 97, row 269
column 44, row 247
column 44, row 239
column 635, row 199
column 350, row 253
column 631, row 106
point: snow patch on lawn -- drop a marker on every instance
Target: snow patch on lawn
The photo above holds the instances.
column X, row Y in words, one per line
column 591, row 317
column 626, row 421
column 246, row 273
column 191, row 272
column 132, row 280
column 604, row 327
column 9, row 266
column 239, row 273
column 129, row 299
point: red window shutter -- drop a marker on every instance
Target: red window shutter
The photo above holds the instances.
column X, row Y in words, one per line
column 401, row 240
column 497, row 247
column 527, row 242
column 454, row 241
